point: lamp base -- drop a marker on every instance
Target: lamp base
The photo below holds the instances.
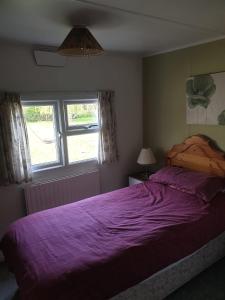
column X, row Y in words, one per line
column 147, row 172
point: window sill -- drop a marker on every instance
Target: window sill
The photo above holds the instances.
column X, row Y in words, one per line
column 60, row 172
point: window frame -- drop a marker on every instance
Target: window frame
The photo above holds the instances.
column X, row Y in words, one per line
column 59, row 146
column 62, row 128
column 77, row 129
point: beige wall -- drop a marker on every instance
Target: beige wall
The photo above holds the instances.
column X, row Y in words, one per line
column 164, row 77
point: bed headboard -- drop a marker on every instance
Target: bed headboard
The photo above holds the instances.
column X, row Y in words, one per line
column 199, row 153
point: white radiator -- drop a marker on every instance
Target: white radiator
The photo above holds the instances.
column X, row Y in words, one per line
column 50, row 194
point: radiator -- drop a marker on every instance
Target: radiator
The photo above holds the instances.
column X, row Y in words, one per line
column 41, row 196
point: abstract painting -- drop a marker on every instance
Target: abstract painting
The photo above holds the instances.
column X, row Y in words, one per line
column 205, row 96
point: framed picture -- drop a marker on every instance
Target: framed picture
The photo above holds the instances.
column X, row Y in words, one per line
column 205, row 99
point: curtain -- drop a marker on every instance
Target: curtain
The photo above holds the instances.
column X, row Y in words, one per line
column 108, row 151
column 15, row 163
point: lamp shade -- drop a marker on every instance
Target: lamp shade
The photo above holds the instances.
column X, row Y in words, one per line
column 146, row 157
column 80, row 42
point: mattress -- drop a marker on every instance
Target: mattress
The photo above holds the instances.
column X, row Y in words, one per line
column 101, row 246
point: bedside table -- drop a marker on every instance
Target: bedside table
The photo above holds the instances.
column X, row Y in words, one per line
column 138, row 178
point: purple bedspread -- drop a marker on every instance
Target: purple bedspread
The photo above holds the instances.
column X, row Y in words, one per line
column 98, row 247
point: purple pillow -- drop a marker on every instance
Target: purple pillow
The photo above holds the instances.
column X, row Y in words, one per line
column 202, row 185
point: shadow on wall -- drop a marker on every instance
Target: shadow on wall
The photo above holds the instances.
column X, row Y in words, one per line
column 160, row 157
column 12, row 205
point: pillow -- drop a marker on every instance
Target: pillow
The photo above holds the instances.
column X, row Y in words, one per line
column 202, row 185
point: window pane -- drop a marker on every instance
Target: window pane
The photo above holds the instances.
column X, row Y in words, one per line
column 82, row 147
column 82, row 114
column 40, row 120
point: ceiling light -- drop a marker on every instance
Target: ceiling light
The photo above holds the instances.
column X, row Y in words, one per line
column 80, row 42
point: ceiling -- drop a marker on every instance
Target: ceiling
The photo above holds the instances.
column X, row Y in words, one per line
column 140, row 27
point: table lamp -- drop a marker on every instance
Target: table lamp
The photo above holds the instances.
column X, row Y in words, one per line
column 146, row 158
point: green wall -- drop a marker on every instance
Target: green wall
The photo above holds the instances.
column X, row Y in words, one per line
column 164, row 78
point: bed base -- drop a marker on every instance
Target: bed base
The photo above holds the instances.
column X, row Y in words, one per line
column 166, row 281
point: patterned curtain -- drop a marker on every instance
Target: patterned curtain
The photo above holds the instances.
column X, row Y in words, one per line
column 108, row 151
column 15, row 163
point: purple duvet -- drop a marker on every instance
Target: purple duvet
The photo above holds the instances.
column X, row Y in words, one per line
column 98, row 247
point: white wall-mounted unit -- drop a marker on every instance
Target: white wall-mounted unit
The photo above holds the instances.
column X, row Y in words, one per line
column 49, row 58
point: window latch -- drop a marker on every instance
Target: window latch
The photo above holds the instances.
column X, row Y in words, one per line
column 59, row 134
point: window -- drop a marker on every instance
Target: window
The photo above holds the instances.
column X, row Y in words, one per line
column 61, row 132
column 81, row 130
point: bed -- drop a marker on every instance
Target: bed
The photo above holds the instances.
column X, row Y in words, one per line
column 140, row 242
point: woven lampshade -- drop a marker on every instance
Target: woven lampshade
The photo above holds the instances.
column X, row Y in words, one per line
column 80, row 42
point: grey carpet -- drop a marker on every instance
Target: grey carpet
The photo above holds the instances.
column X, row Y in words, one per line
column 209, row 285
column 8, row 286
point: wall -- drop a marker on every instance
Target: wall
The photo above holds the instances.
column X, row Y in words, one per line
column 164, row 105
column 120, row 73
